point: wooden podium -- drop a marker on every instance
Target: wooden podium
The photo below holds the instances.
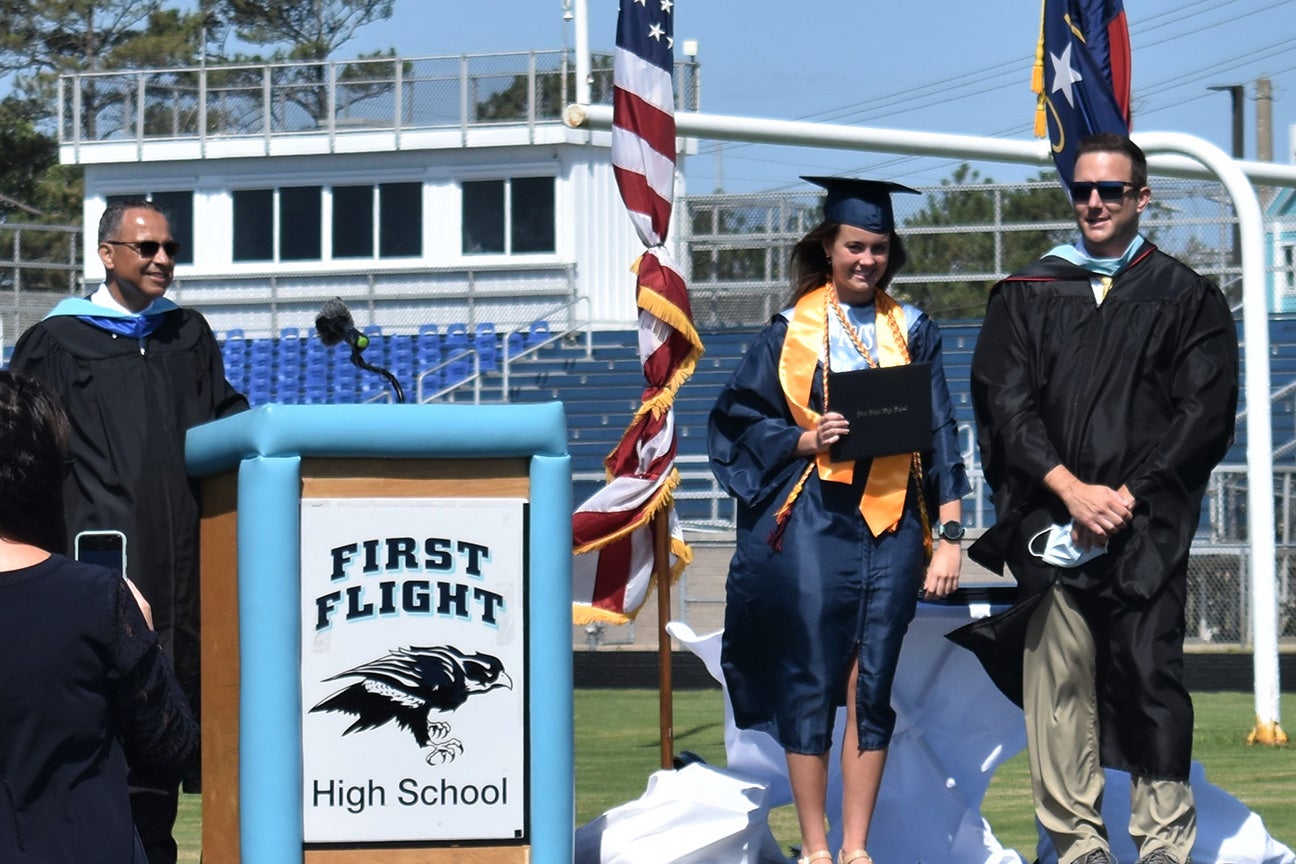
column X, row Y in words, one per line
column 386, row 598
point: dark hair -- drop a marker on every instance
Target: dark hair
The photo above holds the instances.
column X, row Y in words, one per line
column 110, row 222
column 1106, row 142
column 809, row 264
column 33, row 455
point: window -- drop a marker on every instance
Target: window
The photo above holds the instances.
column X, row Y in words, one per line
column 512, row 216
column 287, row 224
column 254, row 225
column 299, row 223
column 353, row 222
column 533, row 214
column 178, row 207
column 400, row 220
column 483, row 217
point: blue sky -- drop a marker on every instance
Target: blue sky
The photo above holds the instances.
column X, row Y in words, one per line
column 929, row 65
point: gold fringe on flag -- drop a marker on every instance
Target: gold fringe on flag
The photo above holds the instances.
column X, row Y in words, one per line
column 588, row 614
column 663, row 498
column 1037, row 78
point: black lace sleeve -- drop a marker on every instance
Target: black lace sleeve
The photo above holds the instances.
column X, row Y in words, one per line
column 157, row 728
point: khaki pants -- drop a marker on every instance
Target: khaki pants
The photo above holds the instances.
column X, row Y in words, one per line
column 1061, row 705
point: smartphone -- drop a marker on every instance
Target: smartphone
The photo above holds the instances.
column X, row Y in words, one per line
column 104, row 548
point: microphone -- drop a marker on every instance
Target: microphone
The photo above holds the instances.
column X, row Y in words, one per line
column 335, row 326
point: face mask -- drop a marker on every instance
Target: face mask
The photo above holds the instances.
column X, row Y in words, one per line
column 1060, row 550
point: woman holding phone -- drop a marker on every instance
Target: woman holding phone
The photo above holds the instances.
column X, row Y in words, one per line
column 84, row 688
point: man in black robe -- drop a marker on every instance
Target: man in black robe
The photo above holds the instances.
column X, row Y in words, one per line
column 1105, row 388
column 135, row 371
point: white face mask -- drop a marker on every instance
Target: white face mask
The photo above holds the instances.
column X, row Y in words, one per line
column 1060, row 550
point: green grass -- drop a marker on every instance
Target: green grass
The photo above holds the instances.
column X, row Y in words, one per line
column 618, row 746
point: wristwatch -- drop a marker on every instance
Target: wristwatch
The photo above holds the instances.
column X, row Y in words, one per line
column 951, row 530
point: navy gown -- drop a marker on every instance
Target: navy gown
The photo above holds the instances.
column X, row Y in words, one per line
column 797, row 618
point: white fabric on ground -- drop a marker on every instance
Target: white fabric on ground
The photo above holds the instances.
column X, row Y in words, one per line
column 954, row 729
column 699, row 814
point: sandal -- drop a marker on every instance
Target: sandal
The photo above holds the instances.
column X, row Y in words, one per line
column 821, row 855
column 844, row 857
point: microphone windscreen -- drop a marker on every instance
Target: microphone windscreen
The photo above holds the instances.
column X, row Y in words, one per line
column 332, row 322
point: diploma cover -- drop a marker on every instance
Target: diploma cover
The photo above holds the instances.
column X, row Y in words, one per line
column 889, row 410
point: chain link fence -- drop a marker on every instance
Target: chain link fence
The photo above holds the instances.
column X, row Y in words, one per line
column 960, row 240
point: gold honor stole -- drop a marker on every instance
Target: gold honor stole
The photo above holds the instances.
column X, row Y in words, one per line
column 888, row 482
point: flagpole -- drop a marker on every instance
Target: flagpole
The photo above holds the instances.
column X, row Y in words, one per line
column 665, row 695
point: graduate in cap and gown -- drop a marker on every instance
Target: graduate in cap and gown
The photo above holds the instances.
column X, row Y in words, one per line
column 831, row 556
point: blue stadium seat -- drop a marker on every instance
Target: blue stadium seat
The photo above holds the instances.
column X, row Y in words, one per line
column 317, row 386
column 346, row 382
column 456, row 336
column 538, row 333
column 457, row 371
column 487, row 347
column 400, row 359
column 260, row 385
column 427, row 348
column 456, row 345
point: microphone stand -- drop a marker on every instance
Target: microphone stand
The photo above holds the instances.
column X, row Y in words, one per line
column 360, row 362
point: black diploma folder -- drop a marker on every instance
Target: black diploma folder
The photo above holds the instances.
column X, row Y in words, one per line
column 889, row 410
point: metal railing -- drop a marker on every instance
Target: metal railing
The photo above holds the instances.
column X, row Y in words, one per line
column 583, row 328
column 395, row 95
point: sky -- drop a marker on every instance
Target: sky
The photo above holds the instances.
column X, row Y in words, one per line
column 924, row 65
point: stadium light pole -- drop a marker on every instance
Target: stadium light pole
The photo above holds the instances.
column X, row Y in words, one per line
column 1237, row 93
column 580, row 14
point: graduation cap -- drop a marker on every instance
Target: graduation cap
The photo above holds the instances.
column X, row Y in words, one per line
column 863, row 203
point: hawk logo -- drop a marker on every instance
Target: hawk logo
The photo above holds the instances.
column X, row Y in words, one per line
column 408, row 684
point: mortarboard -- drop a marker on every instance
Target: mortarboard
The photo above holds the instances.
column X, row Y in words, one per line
column 863, row 203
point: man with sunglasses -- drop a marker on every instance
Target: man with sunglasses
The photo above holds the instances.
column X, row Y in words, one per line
column 1105, row 385
column 134, row 372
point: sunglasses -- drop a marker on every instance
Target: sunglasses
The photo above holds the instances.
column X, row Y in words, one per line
column 148, row 248
column 1108, row 190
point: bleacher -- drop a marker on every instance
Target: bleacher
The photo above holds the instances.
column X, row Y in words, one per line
column 296, row 368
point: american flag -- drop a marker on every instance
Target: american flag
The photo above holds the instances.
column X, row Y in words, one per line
column 613, row 532
column 1082, row 75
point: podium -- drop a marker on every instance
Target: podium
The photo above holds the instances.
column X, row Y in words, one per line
column 386, row 648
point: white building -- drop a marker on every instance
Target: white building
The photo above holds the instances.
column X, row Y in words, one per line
column 427, row 190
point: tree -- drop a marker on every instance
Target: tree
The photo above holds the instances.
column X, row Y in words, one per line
column 25, row 155
column 949, row 236
column 310, row 30
column 552, row 98
column 306, row 33
column 45, row 39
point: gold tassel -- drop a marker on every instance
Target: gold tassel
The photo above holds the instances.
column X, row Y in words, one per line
column 924, row 518
column 784, row 513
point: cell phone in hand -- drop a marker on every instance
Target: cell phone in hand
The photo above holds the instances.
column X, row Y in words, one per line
column 104, row 548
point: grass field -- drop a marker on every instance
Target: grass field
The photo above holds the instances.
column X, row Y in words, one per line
column 617, row 748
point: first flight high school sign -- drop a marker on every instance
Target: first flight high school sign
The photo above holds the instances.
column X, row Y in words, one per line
column 413, row 670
